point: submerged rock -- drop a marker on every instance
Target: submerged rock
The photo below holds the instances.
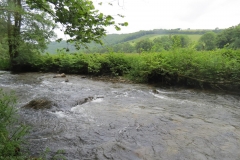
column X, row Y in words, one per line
column 40, row 103
column 59, row 75
column 84, row 100
column 155, row 91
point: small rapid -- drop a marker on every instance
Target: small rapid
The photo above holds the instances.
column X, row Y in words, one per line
column 91, row 119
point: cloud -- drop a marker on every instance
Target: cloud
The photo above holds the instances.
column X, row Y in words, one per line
column 168, row 14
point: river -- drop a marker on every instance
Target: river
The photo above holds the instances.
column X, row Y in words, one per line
column 99, row 120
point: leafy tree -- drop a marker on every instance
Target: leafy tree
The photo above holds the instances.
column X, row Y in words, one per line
column 30, row 24
column 3, row 35
column 124, row 48
column 170, row 42
column 185, row 41
column 144, row 45
column 207, row 41
column 176, row 41
column 229, row 38
column 27, row 30
column 165, row 42
column 180, row 41
column 158, row 44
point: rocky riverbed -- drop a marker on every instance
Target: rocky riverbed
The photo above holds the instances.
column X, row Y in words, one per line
column 91, row 119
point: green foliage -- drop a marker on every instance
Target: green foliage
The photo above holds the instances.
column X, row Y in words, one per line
column 120, row 44
column 176, row 41
column 4, row 57
column 136, row 35
column 170, row 42
column 11, row 135
column 183, row 66
column 207, row 42
column 229, row 38
column 117, row 64
column 144, row 45
column 80, row 19
column 12, row 132
column 184, row 41
column 123, row 48
column 162, row 43
column 26, row 31
column 4, row 64
column 28, row 25
column 95, row 64
column 117, row 48
column 190, row 67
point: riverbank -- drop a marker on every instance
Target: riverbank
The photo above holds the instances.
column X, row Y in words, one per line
column 208, row 89
column 126, row 80
column 218, row 70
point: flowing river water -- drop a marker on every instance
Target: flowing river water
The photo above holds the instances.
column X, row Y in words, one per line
column 92, row 119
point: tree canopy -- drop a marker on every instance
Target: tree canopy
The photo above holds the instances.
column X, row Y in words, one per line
column 229, row 37
column 207, row 41
column 28, row 25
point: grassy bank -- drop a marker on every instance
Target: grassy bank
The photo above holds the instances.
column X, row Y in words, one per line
column 184, row 67
column 11, row 133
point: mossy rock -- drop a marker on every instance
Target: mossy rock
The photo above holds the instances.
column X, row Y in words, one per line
column 40, row 103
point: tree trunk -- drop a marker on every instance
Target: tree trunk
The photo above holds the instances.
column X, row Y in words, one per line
column 10, row 41
column 14, row 28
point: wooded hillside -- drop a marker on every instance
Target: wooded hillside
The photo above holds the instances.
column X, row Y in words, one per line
column 114, row 39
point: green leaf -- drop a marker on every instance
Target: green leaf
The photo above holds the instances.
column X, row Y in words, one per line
column 117, row 28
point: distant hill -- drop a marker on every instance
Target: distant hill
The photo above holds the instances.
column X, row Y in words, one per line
column 132, row 38
column 110, row 39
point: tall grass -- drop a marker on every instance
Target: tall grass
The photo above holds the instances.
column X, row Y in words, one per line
column 11, row 134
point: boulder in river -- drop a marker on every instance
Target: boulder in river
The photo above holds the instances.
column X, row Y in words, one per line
column 40, row 103
column 85, row 100
column 59, row 75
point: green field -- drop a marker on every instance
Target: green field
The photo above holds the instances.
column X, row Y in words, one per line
column 193, row 37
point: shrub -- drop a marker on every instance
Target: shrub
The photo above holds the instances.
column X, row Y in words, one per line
column 4, row 64
column 182, row 66
column 11, row 135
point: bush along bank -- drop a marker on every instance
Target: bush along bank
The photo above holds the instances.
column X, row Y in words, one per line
column 218, row 69
column 11, row 133
column 4, row 64
column 185, row 67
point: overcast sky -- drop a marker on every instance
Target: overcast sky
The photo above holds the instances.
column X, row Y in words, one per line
column 170, row 14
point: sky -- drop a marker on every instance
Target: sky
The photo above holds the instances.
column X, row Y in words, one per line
column 171, row 14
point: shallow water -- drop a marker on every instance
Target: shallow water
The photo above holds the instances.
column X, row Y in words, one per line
column 103, row 120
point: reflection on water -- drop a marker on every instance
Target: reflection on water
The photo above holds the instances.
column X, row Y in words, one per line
column 104, row 120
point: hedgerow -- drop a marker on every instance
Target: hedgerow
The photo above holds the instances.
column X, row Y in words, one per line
column 180, row 66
